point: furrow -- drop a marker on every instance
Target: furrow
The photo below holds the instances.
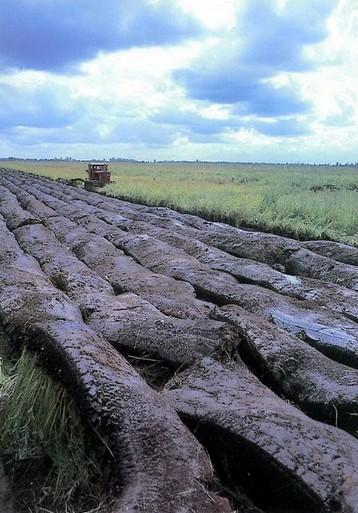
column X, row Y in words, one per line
column 147, row 441
column 126, row 320
column 325, row 389
column 269, row 450
column 329, row 332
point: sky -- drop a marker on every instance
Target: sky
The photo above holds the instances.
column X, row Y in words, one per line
column 227, row 80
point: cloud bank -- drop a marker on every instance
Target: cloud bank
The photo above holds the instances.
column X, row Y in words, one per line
column 53, row 35
column 266, row 42
column 154, row 79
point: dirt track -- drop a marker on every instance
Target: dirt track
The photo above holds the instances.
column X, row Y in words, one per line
column 254, row 340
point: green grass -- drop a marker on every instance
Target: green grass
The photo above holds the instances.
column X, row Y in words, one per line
column 297, row 200
column 42, row 439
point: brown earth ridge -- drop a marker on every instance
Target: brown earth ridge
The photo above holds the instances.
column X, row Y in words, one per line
column 256, row 336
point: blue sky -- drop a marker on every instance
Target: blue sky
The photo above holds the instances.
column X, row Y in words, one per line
column 245, row 80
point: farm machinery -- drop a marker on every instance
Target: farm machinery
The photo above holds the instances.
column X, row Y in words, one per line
column 98, row 176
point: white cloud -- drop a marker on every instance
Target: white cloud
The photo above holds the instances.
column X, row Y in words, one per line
column 215, row 14
column 116, row 95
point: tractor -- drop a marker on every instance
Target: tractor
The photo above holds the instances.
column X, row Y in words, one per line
column 98, row 176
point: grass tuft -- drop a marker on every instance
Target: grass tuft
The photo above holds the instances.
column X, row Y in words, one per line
column 41, row 432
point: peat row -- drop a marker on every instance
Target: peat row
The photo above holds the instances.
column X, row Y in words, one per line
column 79, row 271
column 126, row 320
column 330, row 332
column 245, row 270
column 325, row 389
column 289, row 254
column 146, row 439
column 328, row 391
column 322, row 387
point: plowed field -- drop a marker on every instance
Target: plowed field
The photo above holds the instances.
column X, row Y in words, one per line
column 192, row 347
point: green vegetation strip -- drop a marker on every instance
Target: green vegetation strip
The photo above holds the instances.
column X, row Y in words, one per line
column 41, row 434
column 301, row 201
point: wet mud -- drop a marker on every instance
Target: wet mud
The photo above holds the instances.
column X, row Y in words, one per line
column 220, row 366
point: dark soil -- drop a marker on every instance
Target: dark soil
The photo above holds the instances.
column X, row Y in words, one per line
column 188, row 344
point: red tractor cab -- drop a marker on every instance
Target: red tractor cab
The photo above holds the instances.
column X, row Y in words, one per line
column 98, row 175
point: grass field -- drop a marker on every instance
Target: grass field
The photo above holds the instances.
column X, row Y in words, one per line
column 296, row 200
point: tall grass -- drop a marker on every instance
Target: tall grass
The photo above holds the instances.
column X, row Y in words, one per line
column 298, row 200
column 40, row 427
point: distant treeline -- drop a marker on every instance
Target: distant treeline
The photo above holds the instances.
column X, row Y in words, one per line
column 155, row 161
